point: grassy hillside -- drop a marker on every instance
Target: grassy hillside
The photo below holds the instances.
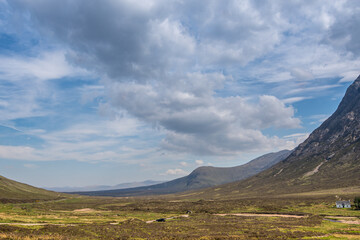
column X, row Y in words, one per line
column 285, row 178
column 201, row 177
column 14, row 191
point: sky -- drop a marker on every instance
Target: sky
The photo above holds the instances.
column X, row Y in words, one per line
column 112, row 91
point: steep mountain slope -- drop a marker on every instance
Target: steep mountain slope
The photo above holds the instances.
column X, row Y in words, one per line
column 201, row 177
column 12, row 190
column 329, row 158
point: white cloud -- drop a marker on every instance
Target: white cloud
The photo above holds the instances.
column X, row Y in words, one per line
column 49, row 65
column 301, row 74
column 318, row 119
column 17, row 152
column 196, row 116
column 294, row 140
column 294, row 99
column 349, row 76
column 199, row 162
column 184, row 164
column 297, row 135
column 105, row 128
column 176, row 171
column 312, row 89
column 89, row 151
column 30, row 166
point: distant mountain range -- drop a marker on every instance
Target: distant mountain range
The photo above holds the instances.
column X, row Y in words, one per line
column 328, row 159
column 201, row 177
column 14, row 191
column 104, row 187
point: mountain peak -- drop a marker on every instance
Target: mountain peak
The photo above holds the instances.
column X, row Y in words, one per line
column 340, row 129
column 201, row 177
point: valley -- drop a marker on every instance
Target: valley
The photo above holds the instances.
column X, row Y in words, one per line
column 284, row 195
column 179, row 120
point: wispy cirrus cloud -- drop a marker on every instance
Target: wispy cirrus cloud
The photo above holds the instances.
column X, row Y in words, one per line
column 23, row 85
column 96, row 141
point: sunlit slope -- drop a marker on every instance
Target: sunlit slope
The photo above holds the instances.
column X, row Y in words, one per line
column 328, row 159
column 12, row 190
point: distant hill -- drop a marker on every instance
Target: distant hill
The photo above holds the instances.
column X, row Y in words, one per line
column 201, row 177
column 14, row 191
column 328, row 159
column 104, row 187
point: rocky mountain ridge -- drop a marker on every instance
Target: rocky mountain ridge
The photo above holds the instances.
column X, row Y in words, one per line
column 342, row 127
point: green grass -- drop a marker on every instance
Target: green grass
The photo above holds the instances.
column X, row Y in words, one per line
column 129, row 216
column 334, row 230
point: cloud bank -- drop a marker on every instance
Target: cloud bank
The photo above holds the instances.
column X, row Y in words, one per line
column 184, row 67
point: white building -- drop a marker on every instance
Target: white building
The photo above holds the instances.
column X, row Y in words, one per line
column 343, row 204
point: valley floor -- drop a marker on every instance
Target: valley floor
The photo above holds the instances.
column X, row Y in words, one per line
column 133, row 218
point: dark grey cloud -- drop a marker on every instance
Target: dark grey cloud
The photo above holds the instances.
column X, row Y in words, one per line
column 104, row 36
column 345, row 33
column 131, row 41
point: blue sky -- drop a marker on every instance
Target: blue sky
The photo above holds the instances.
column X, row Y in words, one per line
column 105, row 92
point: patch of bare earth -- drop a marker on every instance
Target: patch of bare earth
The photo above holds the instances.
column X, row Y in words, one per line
column 308, row 174
column 278, row 172
column 85, row 210
column 348, row 220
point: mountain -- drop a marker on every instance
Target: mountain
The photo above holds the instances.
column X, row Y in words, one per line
column 328, row 159
column 14, row 191
column 201, row 177
column 104, row 187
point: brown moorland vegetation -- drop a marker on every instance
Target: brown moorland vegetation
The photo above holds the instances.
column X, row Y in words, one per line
column 126, row 218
